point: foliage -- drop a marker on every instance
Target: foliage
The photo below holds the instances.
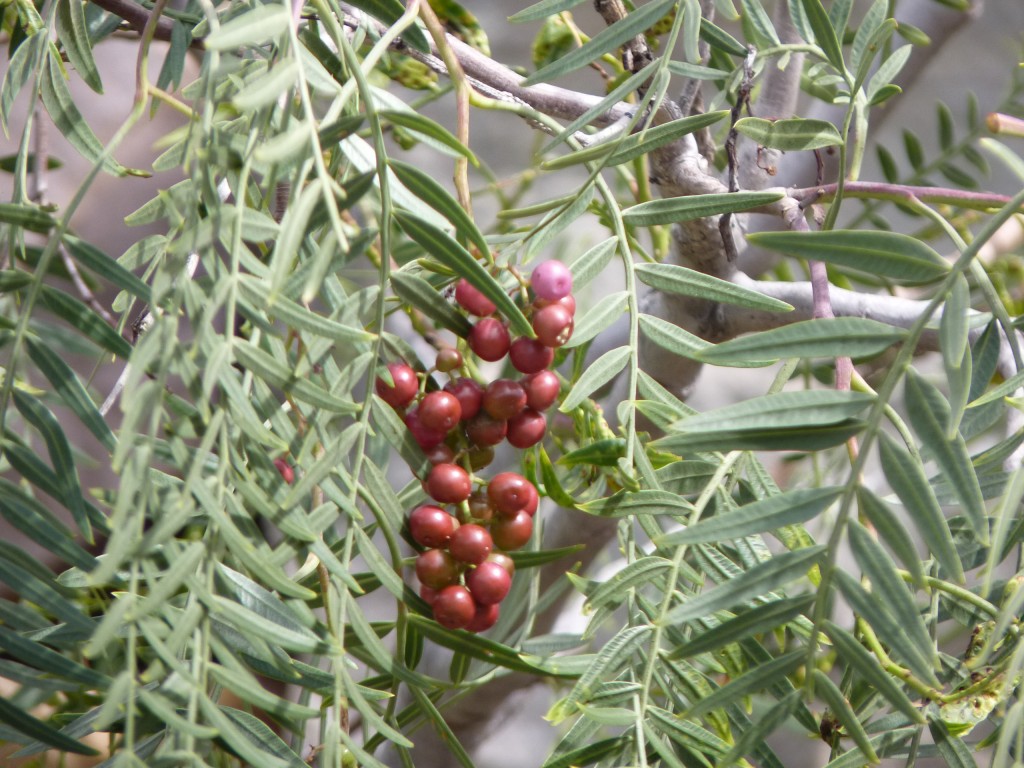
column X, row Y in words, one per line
column 305, row 246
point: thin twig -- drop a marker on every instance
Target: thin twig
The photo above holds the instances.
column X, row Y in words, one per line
column 742, row 102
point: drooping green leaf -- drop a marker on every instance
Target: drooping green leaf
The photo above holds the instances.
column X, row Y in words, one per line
column 542, row 10
column 759, row 580
column 908, row 480
column 74, row 36
column 260, row 24
column 674, row 209
column 689, row 282
column 450, row 253
column 603, row 42
column 97, row 262
column 646, row 141
column 418, row 293
column 718, row 38
column 18, row 69
column 760, row 24
column 759, row 620
column 790, row 134
column 61, row 107
column 59, row 449
column 884, row 254
column 275, row 373
column 951, row 748
column 890, row 630
column 929, row 414
column 295, row 315
column 34, row 729
column 437, row 197
column 638, row 573
column 34, row 520
column 844, row 713
column 821, row 337
column 598, row 318
column 591, row 263
column 262, row 737
column 417, row 123
column 642, row 502
column 881, row 572
column 600, row 372
column 858, row 658
column 891, row 531
column 84, row 319
column 757, row 679
column 806, row 408
column 790, row 508
column 825, row 34
column 672, row 338
column 27, row 217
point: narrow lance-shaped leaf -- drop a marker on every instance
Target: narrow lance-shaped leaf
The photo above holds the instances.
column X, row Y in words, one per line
column 791, row 508
column 860, row 660
column 888, row 628
column 891, row 531
column 759, row 580
column 752, row 681
column 22, row 722
column 597, row 375
column 909, row 482
column 673, row 209
column 881, row 572
column 418, row 293
column 762, row 619
column 929, row 414
column 606, row 40
column 885, row 254
column 69, row 121
column 689, row 282
column 822, row 337
column 450, row 253
column 844, row 713
column 783, row 409
column 790, row 134
column 825, row 34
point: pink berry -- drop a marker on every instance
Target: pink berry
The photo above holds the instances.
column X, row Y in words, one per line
column 551, row 280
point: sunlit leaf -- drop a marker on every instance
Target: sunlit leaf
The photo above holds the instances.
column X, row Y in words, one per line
column 790, row 134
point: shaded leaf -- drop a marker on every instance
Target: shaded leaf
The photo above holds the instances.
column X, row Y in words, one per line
column 790, row 508
column 883, row 254
column 689, row 282
column 821, row 337
column 759, row 580
column 437, row 197
column 759, row 620
column 33, row 728
column 673, row 209
column 450, row 253
column 756, row 679
column 825, row 34
column 600, row 372
column 418, row 293
column 908, row 480
column 605, row 41
column 844, row 713
column 790, row 134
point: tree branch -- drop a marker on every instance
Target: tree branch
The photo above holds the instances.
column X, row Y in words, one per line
column 137, row 17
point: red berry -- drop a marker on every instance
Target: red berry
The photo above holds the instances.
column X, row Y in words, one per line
column 486, row 616
column 431, row 526
column 448, row 483
column 569, row 302
column 553, row 325
column 404, row 389
column 472, row 300
column 448, row 359
column 436, row 568
column 287, row 473
column 440, row 454
column 485, row 431
column 489, row 339
column 510, row 492
column 488, row 583
column 470, row 544
column 440, row 411
column 529, row 355
column 469, row 394
column 504, row 561
column 429, row 595
column 533, row 503
column 551, row 280
column 427, row 439
column 541, row 390
column 511, row 533
column 480, row 506
column 526, row 428
column 504, row 398
column 454, row 607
